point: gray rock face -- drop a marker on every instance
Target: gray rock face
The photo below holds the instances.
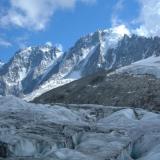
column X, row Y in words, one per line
column 69, row 132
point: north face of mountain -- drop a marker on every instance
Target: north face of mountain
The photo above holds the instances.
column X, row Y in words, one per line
column 26, row 69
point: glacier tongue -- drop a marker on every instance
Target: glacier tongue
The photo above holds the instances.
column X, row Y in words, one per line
column 150, row 66
column 69, row 132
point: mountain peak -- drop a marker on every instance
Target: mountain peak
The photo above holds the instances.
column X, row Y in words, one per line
column 26, row 69
column 53, row 51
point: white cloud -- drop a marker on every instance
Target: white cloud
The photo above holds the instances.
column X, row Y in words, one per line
column 5, row 43
column 149, row 18
column 116, row 10
column 148, row 21
column 121, row 30
column 35, row 14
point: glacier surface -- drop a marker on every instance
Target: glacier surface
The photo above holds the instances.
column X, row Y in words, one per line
column 75, row 132
column 150, row 66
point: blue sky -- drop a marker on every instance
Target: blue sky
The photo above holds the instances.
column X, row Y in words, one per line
column 35, row 22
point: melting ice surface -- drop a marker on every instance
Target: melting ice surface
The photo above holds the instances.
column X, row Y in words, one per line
column 76, row 132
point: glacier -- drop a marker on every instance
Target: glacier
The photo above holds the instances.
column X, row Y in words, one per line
column 76, row 132
column 150, row 66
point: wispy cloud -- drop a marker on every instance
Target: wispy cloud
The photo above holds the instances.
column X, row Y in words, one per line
column 35, row 14
column 116, row 11
column 22, row 41
column 5, row 43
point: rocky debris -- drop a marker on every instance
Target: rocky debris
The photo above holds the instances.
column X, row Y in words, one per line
column 111, row 90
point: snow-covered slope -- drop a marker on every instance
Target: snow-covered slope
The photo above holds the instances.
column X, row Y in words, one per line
column 76, row 132
column 150, row 66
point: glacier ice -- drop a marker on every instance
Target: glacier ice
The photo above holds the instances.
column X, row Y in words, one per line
column 76, row 132
column 150, row 66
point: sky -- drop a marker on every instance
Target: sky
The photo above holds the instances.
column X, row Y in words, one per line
column 35, row 22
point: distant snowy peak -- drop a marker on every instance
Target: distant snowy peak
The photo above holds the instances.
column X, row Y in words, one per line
column 27, row 67
column 32, row 59
column 46, row 49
